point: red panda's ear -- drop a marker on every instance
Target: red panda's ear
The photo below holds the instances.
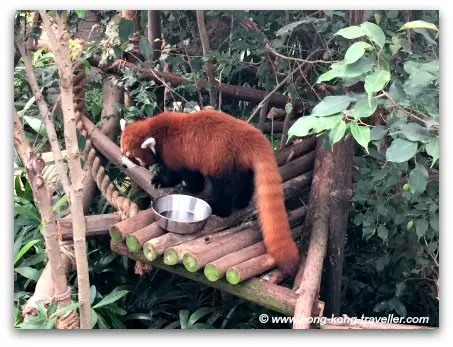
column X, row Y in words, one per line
column 122, row 124
column 150, row 143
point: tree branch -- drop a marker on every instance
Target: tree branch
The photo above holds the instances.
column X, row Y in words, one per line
column 33, row 168
column 61, row 56
column 47, row 117
column 206, row 49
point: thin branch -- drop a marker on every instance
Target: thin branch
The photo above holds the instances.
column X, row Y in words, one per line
column 206, row 49
column 306, row 61
column 64, row 65
column 33, row 167
column 47, row 117
column 388, row 96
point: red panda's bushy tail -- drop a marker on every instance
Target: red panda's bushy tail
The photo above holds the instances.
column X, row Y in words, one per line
column 272, row 213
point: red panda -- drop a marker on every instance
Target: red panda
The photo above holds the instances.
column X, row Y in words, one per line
column 235, row 156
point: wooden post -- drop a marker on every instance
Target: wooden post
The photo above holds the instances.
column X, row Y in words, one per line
column 97, row 225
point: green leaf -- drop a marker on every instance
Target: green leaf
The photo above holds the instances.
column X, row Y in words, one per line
column 27, row 212
column 25, row 249
column 145, row 48
column 198, row 314
column 383, row 232
column 362, row 135
column 60, row 202
column 112, row 297
column 80, row 13
column 363, row 109
column 356, row 51
column 94, row 318
column 326, row 123
column 42, row 312
column 65, row 309
column 28, row 272
column 374, row 32
column 337, row 133
column 302, row 126
column 36, row 124
column 376, row 81
column 401, row 150
column 434, row 222
column 351, row 32
column 291, row 26
column 93, row 293
column 398, row 306
column 81, row 140
column 378, row 132
column 288, row 108
column 421, row 227
column 183, row 318
column 331, row 105
column 415, row 132
column 419, row 24
column 397, row 93
column 125, row 29
column 418, row 179
column 432, row 148
column 381, row 306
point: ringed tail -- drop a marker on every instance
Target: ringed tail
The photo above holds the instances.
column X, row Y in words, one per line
column 272, row 213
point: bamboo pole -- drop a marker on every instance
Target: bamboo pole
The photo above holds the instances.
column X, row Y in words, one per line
column 221, row 266
column 250, row 268
column 173, row 255
column 97, row 225
column 136, row 240
column 195, row 260
column 119, row 231
column 268, row 295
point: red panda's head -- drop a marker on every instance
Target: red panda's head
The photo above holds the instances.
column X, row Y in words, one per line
column 136, row 146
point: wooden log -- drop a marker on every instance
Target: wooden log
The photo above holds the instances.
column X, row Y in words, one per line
column 298, row 166
column 140, row 175
column 157, row 246
column 268, row 295
column 173, row 255
column 218, row 268
column 296, row 149
column 274, row 127
column 119, row 231
column 250, row 268
column 293, row 187
column 195, row 260
column 97, row 225
column 135, row 241
column 234, row 91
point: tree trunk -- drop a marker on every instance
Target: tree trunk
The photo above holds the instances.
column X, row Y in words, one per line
column 316, row 220
column 33, row 168
column 155, row 33
column 62, row 59
column 206, row 50
column 343, row 155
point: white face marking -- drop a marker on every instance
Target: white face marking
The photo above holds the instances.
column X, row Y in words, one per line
column 128, row 154
column 150, row 143
column 129, row 164
column 122, row 124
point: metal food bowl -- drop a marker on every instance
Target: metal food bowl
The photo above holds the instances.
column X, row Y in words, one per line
column 181, row 214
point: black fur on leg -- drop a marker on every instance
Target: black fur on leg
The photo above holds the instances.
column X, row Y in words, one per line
column 244, row 190
column 165, row 178
column 194, row 180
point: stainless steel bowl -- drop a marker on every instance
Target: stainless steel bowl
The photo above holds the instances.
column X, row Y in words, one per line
column 181, row 214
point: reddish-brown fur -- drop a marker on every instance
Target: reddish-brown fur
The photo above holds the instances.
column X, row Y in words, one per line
column 212, row 142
